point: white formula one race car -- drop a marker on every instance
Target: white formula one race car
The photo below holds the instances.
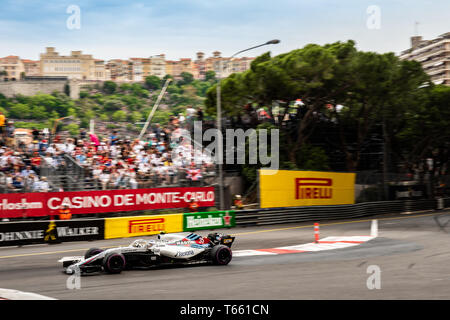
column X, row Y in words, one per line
column 177, row 248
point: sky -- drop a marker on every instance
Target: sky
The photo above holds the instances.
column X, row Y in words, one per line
column 118, row 29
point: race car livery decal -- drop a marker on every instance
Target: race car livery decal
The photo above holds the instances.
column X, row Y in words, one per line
column 184, row 253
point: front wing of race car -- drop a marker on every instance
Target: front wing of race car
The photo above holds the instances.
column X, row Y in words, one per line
column 68, row 261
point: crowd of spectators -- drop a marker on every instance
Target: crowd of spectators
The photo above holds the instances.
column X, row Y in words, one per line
column 163, row 157
column 21, row 162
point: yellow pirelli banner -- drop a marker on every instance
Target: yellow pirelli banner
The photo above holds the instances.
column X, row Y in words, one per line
column 142, row 225
column 285, row 188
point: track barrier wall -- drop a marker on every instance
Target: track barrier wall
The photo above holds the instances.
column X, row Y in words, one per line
column 32, row 232
column 273, row 216
column 56, row 231
column 40, row 204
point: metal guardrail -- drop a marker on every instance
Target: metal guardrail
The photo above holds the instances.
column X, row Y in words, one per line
column 272, row 216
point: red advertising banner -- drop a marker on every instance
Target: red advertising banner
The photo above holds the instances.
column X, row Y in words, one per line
column 83, row 202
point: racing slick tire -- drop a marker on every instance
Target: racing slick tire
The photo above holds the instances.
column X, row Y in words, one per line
column 114, row 262
column 92, row 252
column 221, row 255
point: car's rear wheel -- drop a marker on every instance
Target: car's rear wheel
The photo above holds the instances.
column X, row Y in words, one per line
column 221, row 255
column 114, row 262
column 92, row 252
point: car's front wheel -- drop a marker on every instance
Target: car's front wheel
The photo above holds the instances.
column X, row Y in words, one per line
column 221, row 255
column 114, row 262
column 92, row 252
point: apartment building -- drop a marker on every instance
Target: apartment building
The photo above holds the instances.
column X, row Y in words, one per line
column 75, row 66
column 158, row 65
column 241, row 64
column 12, row 68
column 146, row 67
column 32, row 67
column 434, row 55
column 119, row 70
column 222, row 66
column 85, row 67
column 200, row 65
column 175, row 68
column 136, row 70
column 142, row 67
column 101, row 73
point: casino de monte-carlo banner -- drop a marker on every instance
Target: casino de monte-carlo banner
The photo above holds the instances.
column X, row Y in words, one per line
column 37, row 204
column 285, row 188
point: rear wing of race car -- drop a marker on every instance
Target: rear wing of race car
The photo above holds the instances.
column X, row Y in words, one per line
column 227, row 240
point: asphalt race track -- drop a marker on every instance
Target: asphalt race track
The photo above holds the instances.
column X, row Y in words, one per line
column 412, row 252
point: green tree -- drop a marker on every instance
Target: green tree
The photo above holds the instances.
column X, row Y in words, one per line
column 73, row 129
column 173, row 89
column 89, row 114
column 54, row 115
column 153, row 82
column 67, row 89
column 20, row 111
column 72, row 112
column 368, row 84
column 84, row 94
column 109, row 87
column 124, row 87
column 210, row 76
column 312, row 158
column 138, row 91
column 119, row 116
column 162, row 117
column 426, row 132
column 135, row 116
column 113, row 104
column 186, row 78
column 39, row 112
column 3, row 110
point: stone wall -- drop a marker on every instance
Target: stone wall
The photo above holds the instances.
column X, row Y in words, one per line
column 32, row 87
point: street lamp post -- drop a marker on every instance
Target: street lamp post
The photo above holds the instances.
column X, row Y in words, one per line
column 219, row 121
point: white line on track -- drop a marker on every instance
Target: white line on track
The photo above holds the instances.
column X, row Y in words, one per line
column 9, row 294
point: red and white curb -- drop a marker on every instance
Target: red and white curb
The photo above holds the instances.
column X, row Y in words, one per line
column 9, row 294
column 328, row 243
